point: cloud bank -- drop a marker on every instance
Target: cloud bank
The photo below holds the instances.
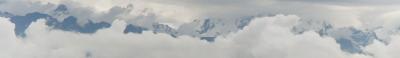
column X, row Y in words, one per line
column 265, row 37
column 174, row 28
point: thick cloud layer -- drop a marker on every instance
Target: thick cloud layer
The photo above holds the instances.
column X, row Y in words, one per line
column 174, row 28
column 266, row 37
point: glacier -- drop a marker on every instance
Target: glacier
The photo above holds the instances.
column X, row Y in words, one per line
column 350, row 39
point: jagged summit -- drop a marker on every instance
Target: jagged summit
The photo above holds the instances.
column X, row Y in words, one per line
column 350, row 39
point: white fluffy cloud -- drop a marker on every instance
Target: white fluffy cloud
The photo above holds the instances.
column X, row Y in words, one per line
column 265, row 37
column 358, row 13
column 143, row 10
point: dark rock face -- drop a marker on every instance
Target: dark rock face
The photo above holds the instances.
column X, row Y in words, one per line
column 134, row 29
column 209, row 39
column 23, row 22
